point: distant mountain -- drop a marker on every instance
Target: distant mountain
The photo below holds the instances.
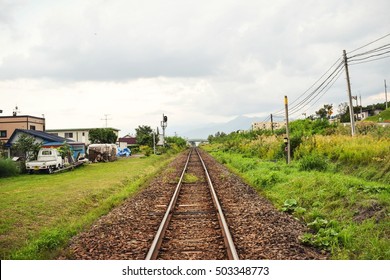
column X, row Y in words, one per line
column 239, row 123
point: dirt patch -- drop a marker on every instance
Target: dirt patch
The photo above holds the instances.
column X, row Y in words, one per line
column 374, row 210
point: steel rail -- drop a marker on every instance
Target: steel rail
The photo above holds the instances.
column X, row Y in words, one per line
column 231, row 248
column 228, row 240
column 153, row 251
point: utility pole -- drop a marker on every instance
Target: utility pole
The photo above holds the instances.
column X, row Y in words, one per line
column 272, row 124
column 386, row 93
column 351, row 114
column 287, row 139
column 106, row 119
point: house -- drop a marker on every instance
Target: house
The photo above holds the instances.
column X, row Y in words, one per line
column 76, row 134
column 47, row 140
column 127, row 141
column 8, row 124
column 362, row 115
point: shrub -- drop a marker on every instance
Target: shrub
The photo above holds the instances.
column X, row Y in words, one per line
column 146, row 150
column 313, row 162
column 8, row 168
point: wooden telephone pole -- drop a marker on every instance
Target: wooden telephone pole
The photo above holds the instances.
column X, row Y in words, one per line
column 351, row 113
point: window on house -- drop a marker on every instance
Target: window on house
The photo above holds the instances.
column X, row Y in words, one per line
column 32, row 127
column 3, row 133
column 68, row 134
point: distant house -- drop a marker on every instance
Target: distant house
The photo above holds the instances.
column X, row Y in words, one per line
column 267, row 125
column 362, row 116
column 8, row 124
column 127, row 141
column 47, row 140
column 76, row 134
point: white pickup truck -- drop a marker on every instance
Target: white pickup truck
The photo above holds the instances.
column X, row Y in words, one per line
column 48, row 159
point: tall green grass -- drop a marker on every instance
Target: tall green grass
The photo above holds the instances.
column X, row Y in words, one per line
column 348, row 216
column 364, row 156
column 8, row 168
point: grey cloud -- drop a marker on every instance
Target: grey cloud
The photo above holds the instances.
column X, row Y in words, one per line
column 117, row 65
column 235, row 44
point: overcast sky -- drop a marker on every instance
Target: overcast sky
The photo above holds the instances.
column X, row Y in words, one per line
column 198, row 62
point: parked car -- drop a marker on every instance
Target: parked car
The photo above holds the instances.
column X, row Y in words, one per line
column 48, row 160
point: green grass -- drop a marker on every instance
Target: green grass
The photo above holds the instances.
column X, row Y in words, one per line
column 190, row 178
column 40, row 213
column 348, row 216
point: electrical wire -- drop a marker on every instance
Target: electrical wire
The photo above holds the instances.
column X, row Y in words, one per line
column 318, row 96
column 317, row 90
column 381, row 48
column 325, row 91
column 370, row 56
column 370, row 60
column 311, row 96
column 387, row 35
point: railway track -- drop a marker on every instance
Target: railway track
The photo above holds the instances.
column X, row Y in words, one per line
column 193, row 226
column 192, row 229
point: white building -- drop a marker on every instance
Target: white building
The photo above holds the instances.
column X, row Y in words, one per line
column 267, row 125
column 76, row 134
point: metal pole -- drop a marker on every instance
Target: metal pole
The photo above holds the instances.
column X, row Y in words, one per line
column 164, row 125
column 287, row 131
column 272, row 124
column 351, row 114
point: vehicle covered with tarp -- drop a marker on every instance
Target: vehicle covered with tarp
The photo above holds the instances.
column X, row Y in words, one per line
column 102, row 152
column 125, row 152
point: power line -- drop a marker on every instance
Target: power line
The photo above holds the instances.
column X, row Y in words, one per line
column 338, row 60
column 317, row 90
column 381, row 48
column 337, row 76
column 311, row 96
column 370, row 60
column 387, row 35
column 370, row 56
column 303, row 102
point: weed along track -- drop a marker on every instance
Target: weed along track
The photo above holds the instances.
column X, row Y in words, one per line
column 176, row 217
column 194, row 226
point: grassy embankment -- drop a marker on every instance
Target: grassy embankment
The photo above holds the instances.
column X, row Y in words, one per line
column 337, row 185
column 40, row 213
column 383, row 116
